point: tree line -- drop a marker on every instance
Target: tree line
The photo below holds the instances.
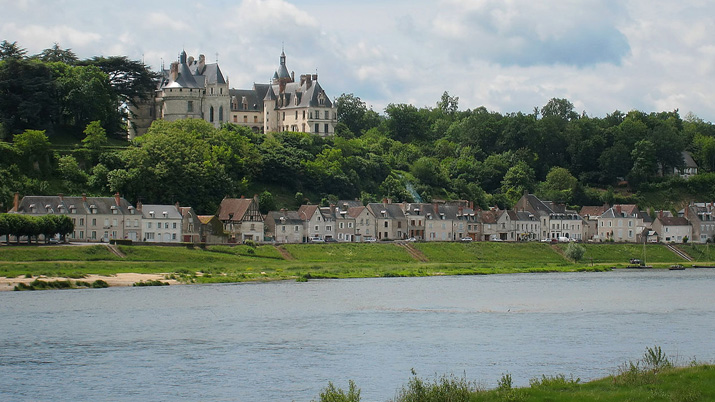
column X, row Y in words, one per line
column 33, row 226
column 406, row 154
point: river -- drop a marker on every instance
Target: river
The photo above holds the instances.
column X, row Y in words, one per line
column 283, row 341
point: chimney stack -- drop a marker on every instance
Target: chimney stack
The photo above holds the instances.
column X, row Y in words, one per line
column 61, row 196
column 116, row 198
column 84, row 197
column 16, row 202
column 139, row 206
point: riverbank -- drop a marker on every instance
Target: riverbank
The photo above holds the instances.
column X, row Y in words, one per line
column 119, row 279
column 126, row 265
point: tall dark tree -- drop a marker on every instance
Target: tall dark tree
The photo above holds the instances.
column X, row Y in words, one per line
column 57, row 54
column 131, row 79
column 11, row 51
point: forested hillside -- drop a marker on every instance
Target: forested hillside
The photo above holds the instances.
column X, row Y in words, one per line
column 58, row 114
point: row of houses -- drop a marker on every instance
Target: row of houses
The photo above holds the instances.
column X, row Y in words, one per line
column 239, row 219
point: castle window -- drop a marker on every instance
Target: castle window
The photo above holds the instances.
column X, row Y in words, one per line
column 304, row 115
column 245, row 119
column 255, row 119
column 326, row 128
column 284, row 115
column 220, row 113
column 317, row 128
column 327, row 115
column 190, row 106
column 211, row 114
column 235, row 118
column 296, row 115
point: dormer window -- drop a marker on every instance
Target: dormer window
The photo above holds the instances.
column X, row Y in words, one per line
column 151, row 214
column 114, row 209
column 165, row 214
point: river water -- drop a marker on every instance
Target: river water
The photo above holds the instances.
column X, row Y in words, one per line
column 283, row 341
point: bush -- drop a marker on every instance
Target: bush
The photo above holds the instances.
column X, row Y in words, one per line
column 151, row 283
column 575, row 251
column 445, row 388
column 332, row 394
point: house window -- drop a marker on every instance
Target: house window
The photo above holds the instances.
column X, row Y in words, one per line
column 106, row 221
column 317, row 128
column 350, row 224
column 296, row 229
column 81, row 221
column 94, row 221
column 327, row 115
column 245, row 119
column 173, row 236
column 148, row 225
column 304, row 115
column 341, row 225
column 326, row 128
column 385, row 223
column 166, row 225
column 329, row 228
column 296, row 113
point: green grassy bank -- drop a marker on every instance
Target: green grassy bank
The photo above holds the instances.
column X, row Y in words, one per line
column 305, row 261
column 652, row 378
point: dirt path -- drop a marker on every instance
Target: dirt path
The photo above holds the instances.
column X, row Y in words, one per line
column 416, row 254
column 285, row 253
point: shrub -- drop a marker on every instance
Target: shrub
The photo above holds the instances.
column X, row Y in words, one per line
column 332, row 394
column 445, row 388
column 101, row 284
column 151, row 283
column 575, row 251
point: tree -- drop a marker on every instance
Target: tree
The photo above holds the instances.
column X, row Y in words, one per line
column 130, row 79
column 85, row 95
column 575, row 251
column 560, row 108
column 57, row 54
column 266, row 202
column 95, row 139
column 11, row 51
column 405, row 123
column 448, row 104
column 518, row 179
column 34, row 147
column 28, row 95
column 644, row 162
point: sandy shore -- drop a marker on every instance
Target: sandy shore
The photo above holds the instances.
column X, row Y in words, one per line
column 123, row 279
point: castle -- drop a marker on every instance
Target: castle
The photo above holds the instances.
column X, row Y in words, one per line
column 192, row 88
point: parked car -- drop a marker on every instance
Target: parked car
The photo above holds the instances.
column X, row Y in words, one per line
column 466, row 239
column 411, row 239
column 370, row 240
column 315, row 240
column 330, row 240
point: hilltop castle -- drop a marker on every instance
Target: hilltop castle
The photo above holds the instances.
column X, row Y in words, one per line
column 192, row 88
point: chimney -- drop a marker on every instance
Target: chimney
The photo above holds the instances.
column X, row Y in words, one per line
column 16, row 202
column 116, row 198
column 618, row 209
column 292, row 76
column 315, row 77
column 178, row 207
column 174, row 71
column 84, row 197
column 384, row 201
column 243, row 196
column 61, row 196
column 139, row 205
column 255, row 198
column 660, row 214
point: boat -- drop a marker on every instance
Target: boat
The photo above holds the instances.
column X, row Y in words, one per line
column 676, row 267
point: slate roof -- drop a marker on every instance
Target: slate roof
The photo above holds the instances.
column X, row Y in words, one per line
column 631, row 210
column 44, row 205
column 285, row 217
column 306, row 212
column 158, row 210
column 392, row 211
column 593, row 211
column 673, row 221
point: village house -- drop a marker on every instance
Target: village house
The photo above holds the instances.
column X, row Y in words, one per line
column 390, row 221
column 211, row 230
column 190, row 225
column 318, row 223
column 700, row 216
column 161, row 223
column 672, row 229
column 621, row 223
column 489, row 225
column 364, row 223
column 556, row 222
column 242, row 220
column 284, row 226
column 95, row 218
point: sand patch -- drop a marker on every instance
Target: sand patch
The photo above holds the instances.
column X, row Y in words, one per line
column 122, row 279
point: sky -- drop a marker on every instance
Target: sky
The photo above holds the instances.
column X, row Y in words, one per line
column 505, row 55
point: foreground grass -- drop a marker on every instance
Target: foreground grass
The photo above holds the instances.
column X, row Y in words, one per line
column 653, row 378
column 238, row 263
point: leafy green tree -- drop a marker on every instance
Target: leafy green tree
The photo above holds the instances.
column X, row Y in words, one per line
column 448, row 104
column 429, row 171
column 406, row 123
column 34, row 149
column 74, row 177
column 645, row 164
column 560, row 108
column 518, row 179
column 575, row 251
column 85, row 95
column 266, row 202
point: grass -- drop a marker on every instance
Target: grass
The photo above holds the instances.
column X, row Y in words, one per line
column 239, row 263
column 653, row 378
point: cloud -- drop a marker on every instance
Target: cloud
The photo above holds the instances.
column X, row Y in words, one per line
column 527, row 34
